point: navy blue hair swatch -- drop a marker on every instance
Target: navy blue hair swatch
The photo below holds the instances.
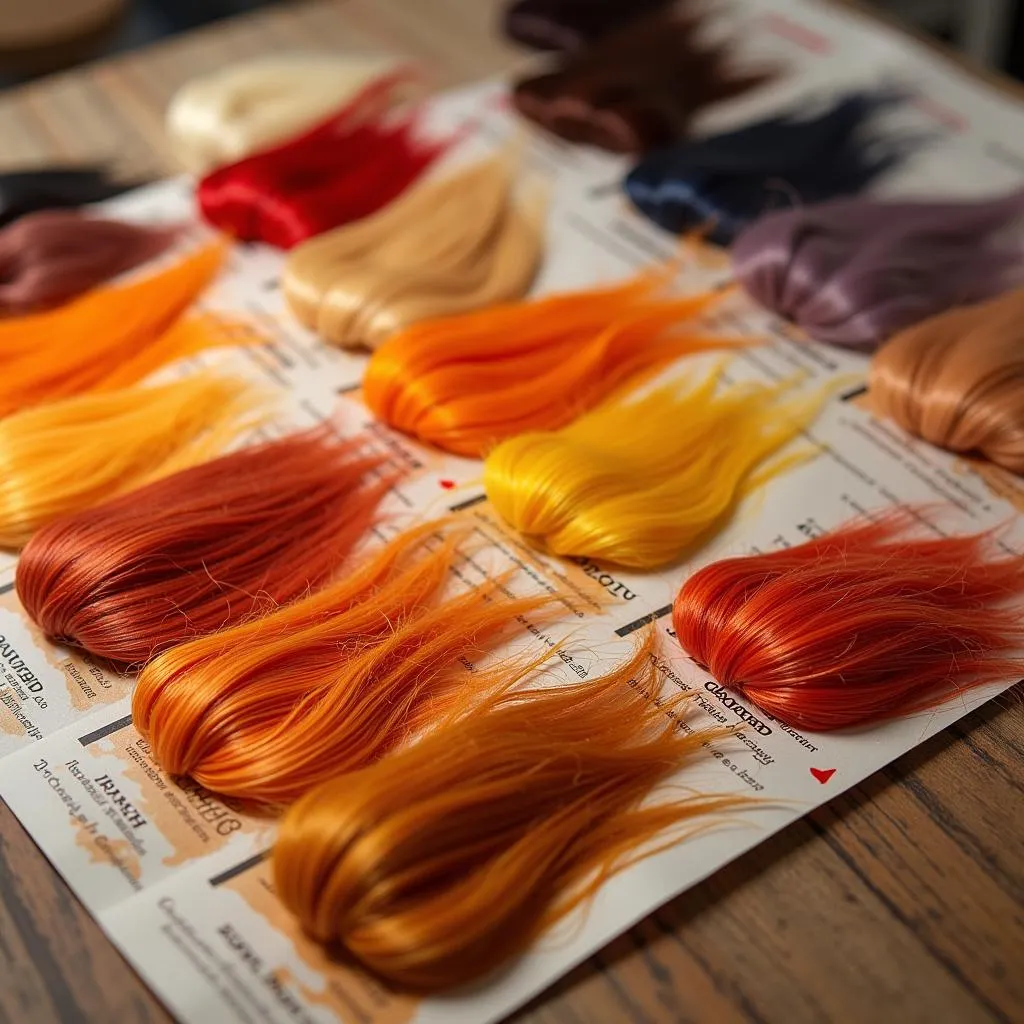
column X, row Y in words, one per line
column 564, row 25
column 48, row 188
column 726, row 181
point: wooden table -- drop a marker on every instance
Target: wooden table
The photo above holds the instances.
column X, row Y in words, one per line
column 902, row 900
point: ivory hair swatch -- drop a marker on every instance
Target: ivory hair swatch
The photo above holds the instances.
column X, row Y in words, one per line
column 869, row 622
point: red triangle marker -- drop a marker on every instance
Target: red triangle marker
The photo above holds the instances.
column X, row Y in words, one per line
column 447, row 484
column 823, row 774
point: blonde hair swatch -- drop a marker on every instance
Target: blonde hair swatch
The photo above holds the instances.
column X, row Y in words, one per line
column 639, row 480
column 112, row 336
column 438, row 864
column 459, row 242
column 69, row 455
column 957, row 380
column 228, row 114
column 466, row 383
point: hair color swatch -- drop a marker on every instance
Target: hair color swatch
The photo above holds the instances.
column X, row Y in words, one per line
column 225, row 116
column 855, row 271
column 438, row 864
column 203, row 549
column 269, row 709
column 638, row 481
column 726, row 181
column 466, row 383
column 50, row 188
column 49, row 257
column 69, row 455
column 340, row 171
column 957, row 380
column 862, row 624
column 459, row 242
column 566, row 25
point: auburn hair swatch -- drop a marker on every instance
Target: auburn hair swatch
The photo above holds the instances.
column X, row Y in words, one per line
column 69, row 455
column 111, row 337
column 866, row 623
column 340, row 171
column 439, row 863
column 204, row 549
column 957, row 380
column 855, row 271
column 466, row 383
column 637, row 481
column 49, row 257
column 460, row 242
column 566, row 25
column 326, row 685
column 224, row 116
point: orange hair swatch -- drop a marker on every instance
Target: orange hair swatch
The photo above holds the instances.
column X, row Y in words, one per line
column 101, row 339
column 866, row 623
column 466, row 383
column 436, row 865
column 203, row 549
column 957, row 380
column 271, row 708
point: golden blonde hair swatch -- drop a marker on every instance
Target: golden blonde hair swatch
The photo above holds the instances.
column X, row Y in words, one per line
column 65, row 456
column 639, row 480
column 465, row 383
column 112, row 336
column 957, row 380
column 449, row 244
column 439, row 863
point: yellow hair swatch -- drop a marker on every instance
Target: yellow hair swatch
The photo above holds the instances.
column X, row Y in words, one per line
column 466, row 383
column 637, row 481
column 105, row 334
column 447, row 245
column 69, row 455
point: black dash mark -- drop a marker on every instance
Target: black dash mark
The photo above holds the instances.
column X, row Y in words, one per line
column 468, row 503
column 632, row 627
column 272, row 285
column 6, row 588
column 239, row 869
column 349, row 388
column 99, row 734
column 855, row 393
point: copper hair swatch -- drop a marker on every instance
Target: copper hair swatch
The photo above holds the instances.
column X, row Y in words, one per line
column 638, row 481
column 438, row 864
column 326, row 685
column 865, row 623
column 957, row 380
column 466, row 383
column 49, row 257
column 203, row 549
column 65, row 456
column 458, row 242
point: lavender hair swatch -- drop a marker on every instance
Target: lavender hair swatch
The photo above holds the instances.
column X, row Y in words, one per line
column 854, row 271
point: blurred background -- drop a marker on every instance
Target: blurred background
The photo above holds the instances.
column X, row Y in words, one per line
column 40, row 36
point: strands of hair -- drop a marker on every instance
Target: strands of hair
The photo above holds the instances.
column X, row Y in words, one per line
column 49, row 188
column 340, row 171
column 638, row 481
column 71, row 454
column 203, row 549
column 227, row 115
column 327, row 685
column 49, row 257
column 86, row 343
column 438, row 864
column 449, row 245
column 866, row 623
column 566, row 25
column 726, row 181
column 856, row 271
column 637, row 88
column 466, row 383
column 957, row 380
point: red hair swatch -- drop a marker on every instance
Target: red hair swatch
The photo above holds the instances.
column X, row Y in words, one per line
column 862, row 624
column 203, row 549
column 344, row 169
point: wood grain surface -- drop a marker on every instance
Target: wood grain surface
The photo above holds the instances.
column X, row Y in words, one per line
column 900, row 901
